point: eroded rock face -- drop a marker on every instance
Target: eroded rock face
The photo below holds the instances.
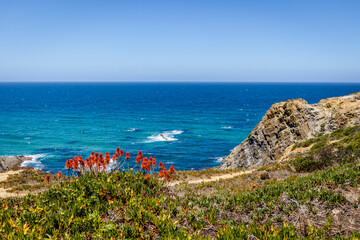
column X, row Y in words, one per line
column 288, row 122
column 7, row 163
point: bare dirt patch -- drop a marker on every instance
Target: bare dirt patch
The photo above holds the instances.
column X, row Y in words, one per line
column 17, row 183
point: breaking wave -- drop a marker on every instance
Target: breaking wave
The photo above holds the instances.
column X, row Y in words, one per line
column 165, row 136
column 131, row 130
column 35, row 161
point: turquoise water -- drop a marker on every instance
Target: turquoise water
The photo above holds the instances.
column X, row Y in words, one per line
column 188, row 125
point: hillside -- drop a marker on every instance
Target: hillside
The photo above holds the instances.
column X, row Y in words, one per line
column 291, row 121
column 313, row 193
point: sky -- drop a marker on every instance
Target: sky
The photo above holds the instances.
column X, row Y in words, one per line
column 166, row 41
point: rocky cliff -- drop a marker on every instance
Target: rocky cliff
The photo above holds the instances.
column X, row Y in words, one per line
column 291, row 121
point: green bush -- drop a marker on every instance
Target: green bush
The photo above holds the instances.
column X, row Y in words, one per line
column 324, row 154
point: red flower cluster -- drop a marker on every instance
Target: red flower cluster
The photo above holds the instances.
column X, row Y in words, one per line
column 119, row 153
column 172, row 169
column 95, row 163
column 163, row 172
column 47, row 178
column 139, row 157
column 150, row 164
column 59, row 174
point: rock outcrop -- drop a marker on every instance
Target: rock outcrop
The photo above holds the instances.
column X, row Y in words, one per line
column 7, row 163
column 291, row 121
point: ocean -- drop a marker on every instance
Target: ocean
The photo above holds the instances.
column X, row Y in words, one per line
column 189, row 125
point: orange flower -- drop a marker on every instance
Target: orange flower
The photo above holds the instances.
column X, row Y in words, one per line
column 88, row 162
column 59, row 174
column 127, row 155
column 76, row 163
column 107, row 158
column 69, row 164
column 47, row 178
column 172, row 169
column 161, row 166
column 154, row 162
column 147, row 176
column 167, row 175
column 145, row 164
column 81, row 161
column 121, row 153
column 139, row 157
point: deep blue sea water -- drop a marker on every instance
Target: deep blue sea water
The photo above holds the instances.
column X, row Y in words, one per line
column 199, row 122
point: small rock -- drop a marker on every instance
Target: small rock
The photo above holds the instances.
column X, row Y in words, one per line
column 8, row 163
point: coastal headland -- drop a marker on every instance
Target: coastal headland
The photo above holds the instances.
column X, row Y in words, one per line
column 297, row 175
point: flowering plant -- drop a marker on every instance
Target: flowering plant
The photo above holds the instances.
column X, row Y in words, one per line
column 149, row 165
column 96, row 163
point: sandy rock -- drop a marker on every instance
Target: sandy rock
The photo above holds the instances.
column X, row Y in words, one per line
column 7, row 163
column 291, row 121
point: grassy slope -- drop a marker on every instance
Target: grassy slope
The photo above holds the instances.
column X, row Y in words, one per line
column 319, row 199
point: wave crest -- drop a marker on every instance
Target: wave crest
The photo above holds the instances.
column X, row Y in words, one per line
column 35, row 161
column 165, row 136
column 131, row 130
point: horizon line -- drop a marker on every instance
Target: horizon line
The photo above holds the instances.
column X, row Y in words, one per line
column 190, row 82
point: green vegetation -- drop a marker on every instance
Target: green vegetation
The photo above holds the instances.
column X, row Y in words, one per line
column 271, row 203
column 308, row 142
column 28, row 179
column 122, row 204
column 340, row 147
column 126, row 205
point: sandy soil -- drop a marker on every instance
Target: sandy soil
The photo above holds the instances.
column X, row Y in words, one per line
column 212, row 179
column 3, row 177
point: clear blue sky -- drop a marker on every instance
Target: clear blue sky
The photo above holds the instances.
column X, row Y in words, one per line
column 73, row 40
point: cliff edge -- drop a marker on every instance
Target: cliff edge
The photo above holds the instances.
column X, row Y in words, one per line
column 291, row 121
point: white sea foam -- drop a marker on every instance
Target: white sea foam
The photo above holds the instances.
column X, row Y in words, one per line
column 131, row 130
column 227, row 127
column 35, row 161
column 217, row 159
column 165, row 136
